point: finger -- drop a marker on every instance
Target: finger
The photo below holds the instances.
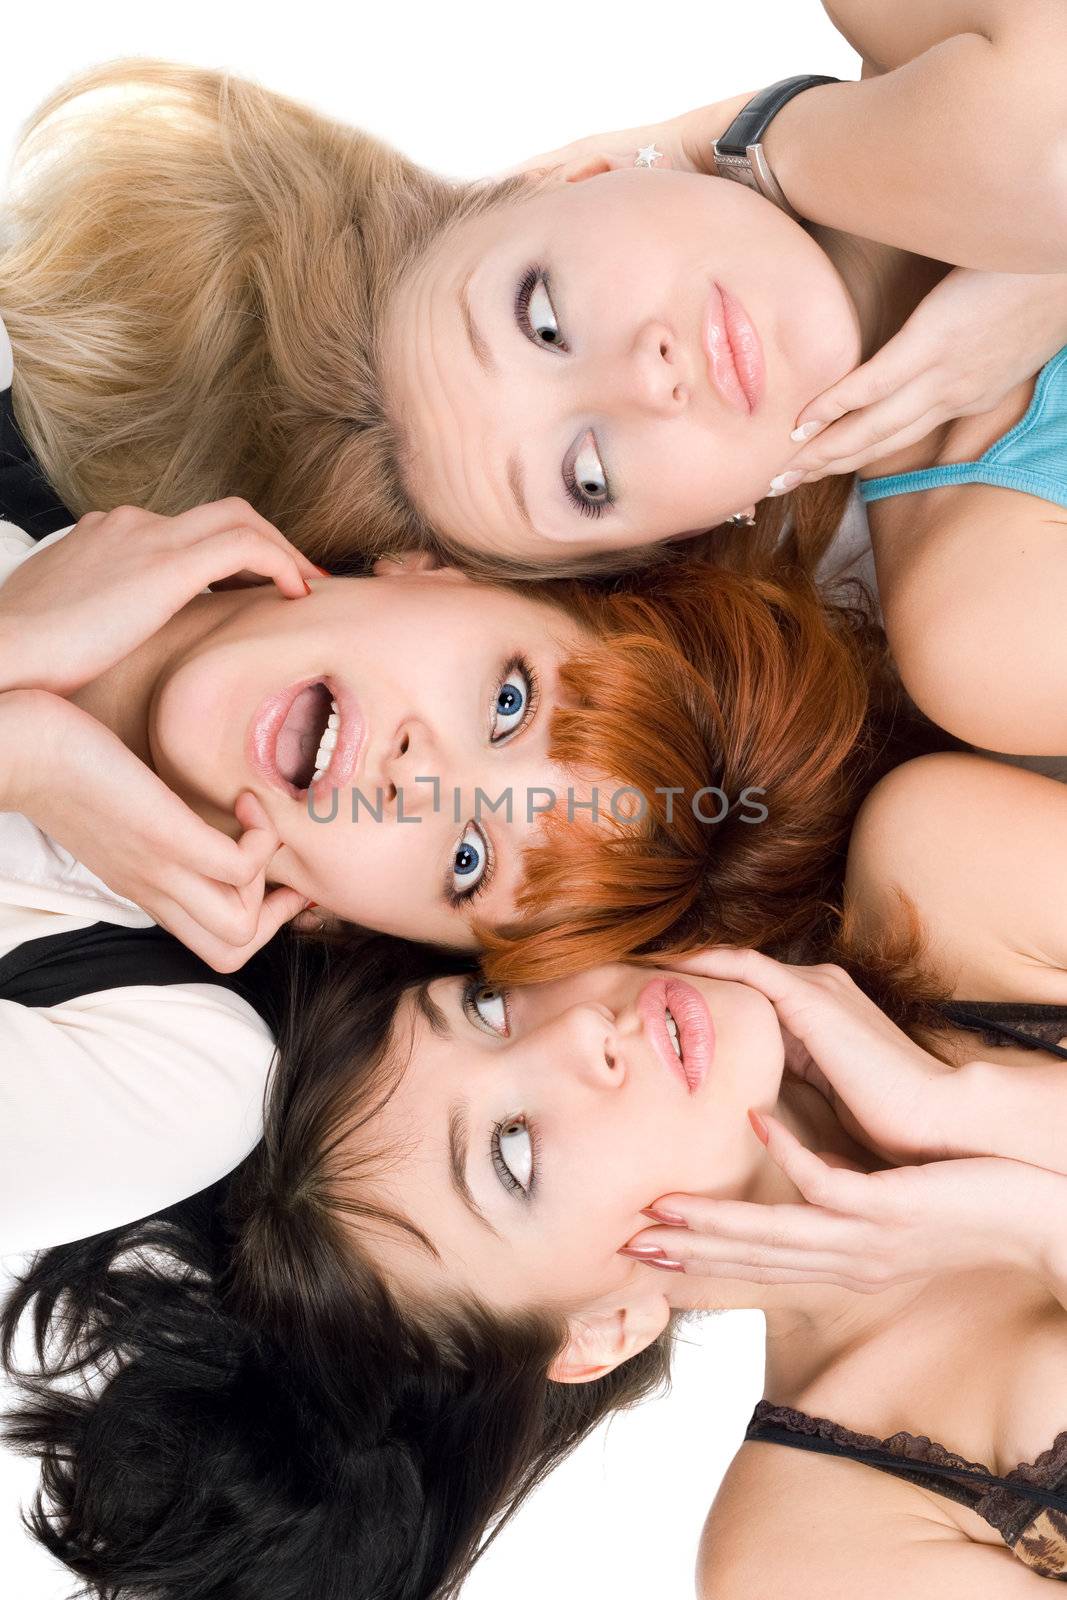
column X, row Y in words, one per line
column 742, row 1272
column 236, row 515
column 865, row 427
column 785, row 986
column 833, row 1188
column 807, row 1000
column 259, row 842
column 786, row 1226
column 245, row 549
column 224, row 955
column 918, row 428
column 887, row 371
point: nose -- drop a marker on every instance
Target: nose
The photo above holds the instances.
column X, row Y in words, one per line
column 654, row 379
column 591, row 1046
column 412, row 763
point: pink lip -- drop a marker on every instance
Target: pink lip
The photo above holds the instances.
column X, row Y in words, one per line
column 734, row 351
column 266, row 724
column 696, row 1032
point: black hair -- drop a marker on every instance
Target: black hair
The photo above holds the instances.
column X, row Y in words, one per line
column 229, row 1403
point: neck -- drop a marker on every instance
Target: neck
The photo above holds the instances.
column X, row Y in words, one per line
column 810, row 1326
column 884, row 284
column 121, row 698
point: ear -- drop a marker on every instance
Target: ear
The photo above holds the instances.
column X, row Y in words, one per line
column 591, row 166
column 421, row 562
column 600, row 1341
column 391, row 566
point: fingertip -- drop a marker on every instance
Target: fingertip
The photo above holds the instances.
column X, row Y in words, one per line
column 759, row 1126
column 807, row 430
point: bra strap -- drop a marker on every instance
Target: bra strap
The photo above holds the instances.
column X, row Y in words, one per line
column 903, row 1466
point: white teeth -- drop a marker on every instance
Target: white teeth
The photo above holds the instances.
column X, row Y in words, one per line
column 672, row 1030
column 328, row 742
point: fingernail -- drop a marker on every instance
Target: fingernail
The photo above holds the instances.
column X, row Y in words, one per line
column 759, row 1127
column 642, row 1251
column 784, row 482
column 311, row 905
column 671, row 1218
column 807, row 431
column 307, row 586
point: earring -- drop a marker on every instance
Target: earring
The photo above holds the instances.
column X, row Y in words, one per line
column 742, row 519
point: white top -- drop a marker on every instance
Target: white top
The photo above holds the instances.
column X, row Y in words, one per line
column 113, row 1104
column 7, row 365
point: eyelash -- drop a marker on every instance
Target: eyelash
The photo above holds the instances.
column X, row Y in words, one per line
column 527, row 285
column 523, row 294
column 523, row 665
column 519, row 663
column 507, row 1178
column 588, row 508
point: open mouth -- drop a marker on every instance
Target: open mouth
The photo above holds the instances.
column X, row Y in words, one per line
column 308, row 735
column 307, row 738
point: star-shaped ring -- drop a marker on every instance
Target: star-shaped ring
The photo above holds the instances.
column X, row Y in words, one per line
column 647, row 156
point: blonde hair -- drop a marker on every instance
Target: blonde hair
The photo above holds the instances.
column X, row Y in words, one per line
column 196, row 274
column 193, row 286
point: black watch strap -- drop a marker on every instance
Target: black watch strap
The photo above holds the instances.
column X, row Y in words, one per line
column 739, row 152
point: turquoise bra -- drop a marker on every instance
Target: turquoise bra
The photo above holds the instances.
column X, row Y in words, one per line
column 1031, row 457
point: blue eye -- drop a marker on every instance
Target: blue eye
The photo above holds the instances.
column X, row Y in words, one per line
column 470, row 861
column 514, row 701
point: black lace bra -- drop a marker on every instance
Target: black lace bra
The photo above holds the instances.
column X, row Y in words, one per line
column 1028, row 1507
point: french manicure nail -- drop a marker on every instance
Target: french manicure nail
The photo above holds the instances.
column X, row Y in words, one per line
column 759, row 1127
column 784, row 482
column 671, row 1218
column 807, row 431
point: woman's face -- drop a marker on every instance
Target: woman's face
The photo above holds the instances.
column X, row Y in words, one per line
column 530, row 1128
column 433, row 677
column 611, row 362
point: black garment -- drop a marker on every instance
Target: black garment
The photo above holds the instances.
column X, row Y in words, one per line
column 1028, row 1508
column 26, row 497
column 49, row 971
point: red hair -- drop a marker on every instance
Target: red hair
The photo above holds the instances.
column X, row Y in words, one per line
column 703, row 677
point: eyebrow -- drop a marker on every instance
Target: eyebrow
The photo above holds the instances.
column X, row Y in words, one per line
column 431, row 1012
column 458, row 1139
column 515, row 484
column 484, row 358
column 478, row 345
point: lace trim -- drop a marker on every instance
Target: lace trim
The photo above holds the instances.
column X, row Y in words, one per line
column 909, row 1446
column 1043, row 1024
column 1004, row 1511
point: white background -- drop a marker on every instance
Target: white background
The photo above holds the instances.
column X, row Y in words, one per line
column 470, row 88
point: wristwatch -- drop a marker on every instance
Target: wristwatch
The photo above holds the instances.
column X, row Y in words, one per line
column 739, row 153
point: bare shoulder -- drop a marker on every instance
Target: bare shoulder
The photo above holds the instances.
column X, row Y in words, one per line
column 974, row 613
column 817, row 1527
column 977, row 846
column 892, row 35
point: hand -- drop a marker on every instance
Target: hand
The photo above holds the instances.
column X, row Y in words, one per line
column 684, row 143
column 74, row 609
column 122, row 822
column 887, row 1091
column 967, row 345
column 866, row 1231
